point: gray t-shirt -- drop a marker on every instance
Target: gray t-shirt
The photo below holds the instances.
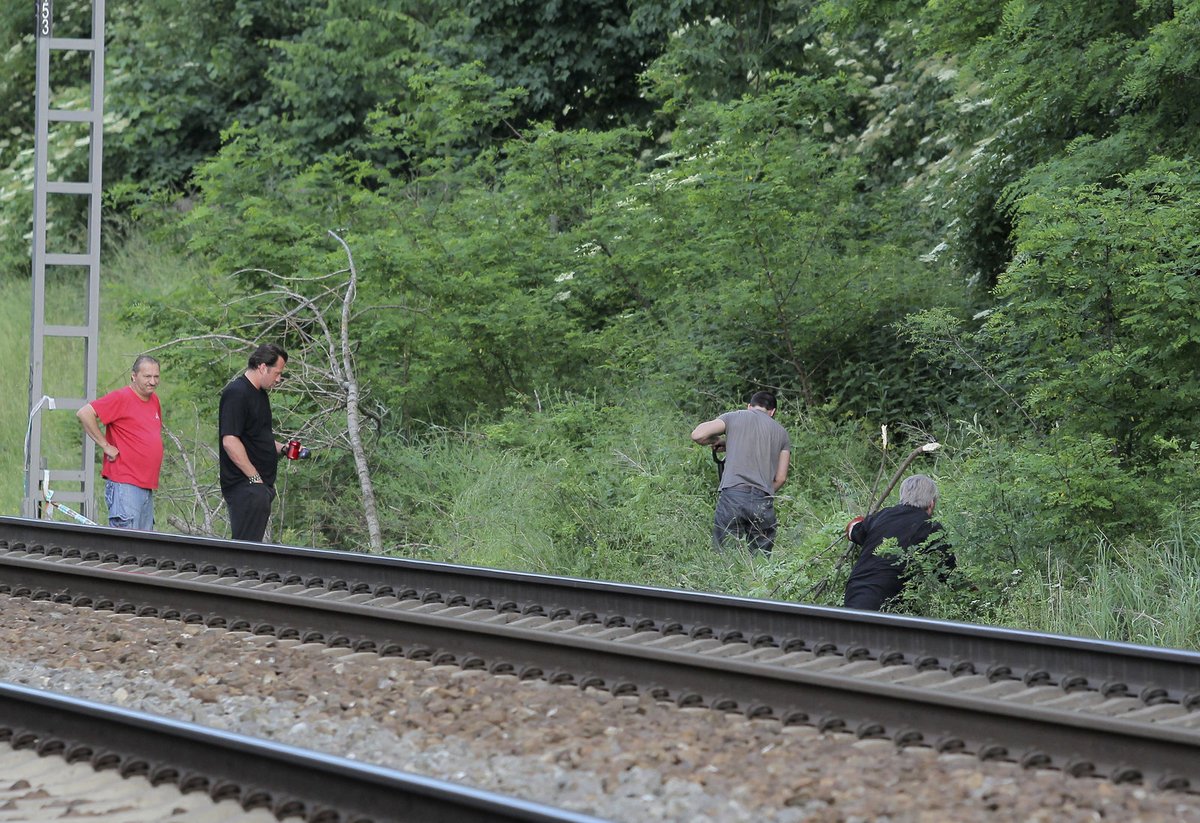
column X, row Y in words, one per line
column 753, row 441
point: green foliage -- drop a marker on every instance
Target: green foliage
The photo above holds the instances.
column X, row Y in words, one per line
column 351, row 57
column 1160, row 70
column 926, row 576
column 958, row 350
column 454, row 319
column 441, row 125
column 17, row 69
column 764, row 255
column 1006, row 504
column 263, row 209
column 716, row 50
column 579, row 61
column 1032, row 79
column 1097, row 314
column 180, row 74
column 577, row 226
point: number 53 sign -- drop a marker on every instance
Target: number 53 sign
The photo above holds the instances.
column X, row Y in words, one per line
column 44, row 17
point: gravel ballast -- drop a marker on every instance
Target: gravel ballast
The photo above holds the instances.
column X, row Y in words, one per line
column 622, row 758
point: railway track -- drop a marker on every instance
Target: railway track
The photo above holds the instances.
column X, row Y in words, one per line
column 253, row 774
column 1086, row 707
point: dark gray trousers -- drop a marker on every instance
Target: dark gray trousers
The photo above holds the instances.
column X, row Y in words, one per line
column 747, row 513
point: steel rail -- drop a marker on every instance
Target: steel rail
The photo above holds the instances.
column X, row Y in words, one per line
column 289, row 781
column 1167, row 756
column 1154, row 674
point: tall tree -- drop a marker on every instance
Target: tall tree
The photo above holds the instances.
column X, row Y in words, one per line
column 579, row 62
column 179, row 74
column 1097, row 315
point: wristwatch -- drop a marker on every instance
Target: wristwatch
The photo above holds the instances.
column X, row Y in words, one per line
column 255, row 478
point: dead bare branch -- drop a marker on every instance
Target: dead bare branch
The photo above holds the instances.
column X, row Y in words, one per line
column 353, row 423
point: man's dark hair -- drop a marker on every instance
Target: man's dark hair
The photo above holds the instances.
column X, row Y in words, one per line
column 763, row 399
column 141, row 360
column 267, row 354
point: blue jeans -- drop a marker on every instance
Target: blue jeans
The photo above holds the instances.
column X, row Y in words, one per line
column 129, row 507
column 744, row 512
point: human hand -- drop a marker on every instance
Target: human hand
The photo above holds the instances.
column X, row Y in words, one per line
column 294, row 451
column 111, row 452
column 850, row 526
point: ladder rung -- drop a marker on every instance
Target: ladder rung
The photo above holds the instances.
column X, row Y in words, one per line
column 64, row 475
column 68, row 403
column 65, row 331
column 71, row 44
column 71, row 115
column 63, row 187
column 68, row 497
column 68, row 259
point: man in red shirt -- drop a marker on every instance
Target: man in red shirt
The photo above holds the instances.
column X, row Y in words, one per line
column 132, row 445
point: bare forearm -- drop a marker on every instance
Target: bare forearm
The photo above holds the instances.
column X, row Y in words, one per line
column 237, row 453
column 781, row 469
column 709, row 433
column 91, row 427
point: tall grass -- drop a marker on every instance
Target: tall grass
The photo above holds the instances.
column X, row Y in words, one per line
column 597, row 489
column 1136, row 592
column 15, row 308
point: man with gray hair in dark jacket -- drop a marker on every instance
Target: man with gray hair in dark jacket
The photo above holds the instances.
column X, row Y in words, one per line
column 875, row 580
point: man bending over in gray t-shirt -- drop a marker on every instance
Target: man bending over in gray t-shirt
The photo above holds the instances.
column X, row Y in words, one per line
column 757, row 451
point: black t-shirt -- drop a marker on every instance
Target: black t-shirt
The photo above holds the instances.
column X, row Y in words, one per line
column 245, row 413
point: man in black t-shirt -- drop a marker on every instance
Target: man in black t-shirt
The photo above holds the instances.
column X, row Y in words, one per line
column 248, row 449
column 875, row 580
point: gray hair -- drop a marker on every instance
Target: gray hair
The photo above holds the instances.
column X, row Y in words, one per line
column 918, row 490
column 141, row 360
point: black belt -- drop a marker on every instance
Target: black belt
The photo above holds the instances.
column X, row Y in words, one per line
column 746, row 487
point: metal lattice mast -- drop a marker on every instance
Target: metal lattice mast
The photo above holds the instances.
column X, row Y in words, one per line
column 49, row 379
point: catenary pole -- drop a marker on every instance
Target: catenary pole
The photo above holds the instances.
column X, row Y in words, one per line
column 63, row 343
